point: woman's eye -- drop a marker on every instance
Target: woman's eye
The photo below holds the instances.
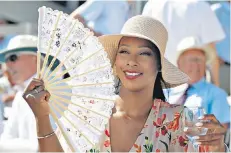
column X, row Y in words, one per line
column 146, row 53
column 123, row 52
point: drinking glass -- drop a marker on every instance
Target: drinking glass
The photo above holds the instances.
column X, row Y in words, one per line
column 192, row 116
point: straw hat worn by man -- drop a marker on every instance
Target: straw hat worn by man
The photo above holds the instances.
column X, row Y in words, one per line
column 20, row 133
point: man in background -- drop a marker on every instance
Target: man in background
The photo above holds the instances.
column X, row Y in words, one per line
column 192, row 57
column 20, row 132
column 187, row 18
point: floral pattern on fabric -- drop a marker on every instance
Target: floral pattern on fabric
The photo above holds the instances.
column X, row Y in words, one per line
column 162, row 132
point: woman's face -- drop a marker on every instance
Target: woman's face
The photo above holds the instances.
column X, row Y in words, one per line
column 136, row 64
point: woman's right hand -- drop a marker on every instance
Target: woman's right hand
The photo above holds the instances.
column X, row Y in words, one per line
column 37, row 98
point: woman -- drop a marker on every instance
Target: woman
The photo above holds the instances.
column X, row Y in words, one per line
column 141, row 121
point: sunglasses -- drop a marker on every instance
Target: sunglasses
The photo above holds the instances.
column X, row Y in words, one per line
column 12, row 58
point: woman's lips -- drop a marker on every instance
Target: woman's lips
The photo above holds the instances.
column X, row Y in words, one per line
column 131, row 75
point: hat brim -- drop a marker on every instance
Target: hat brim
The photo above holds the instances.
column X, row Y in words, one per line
column 209, row 52
column 3, row 53
column 170, row 73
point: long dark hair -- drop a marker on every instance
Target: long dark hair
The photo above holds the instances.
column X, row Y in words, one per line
column 159, row 83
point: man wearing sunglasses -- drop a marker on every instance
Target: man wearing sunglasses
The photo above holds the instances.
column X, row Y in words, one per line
column 20, row 133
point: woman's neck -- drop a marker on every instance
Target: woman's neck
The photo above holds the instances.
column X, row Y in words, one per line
column 135, row 104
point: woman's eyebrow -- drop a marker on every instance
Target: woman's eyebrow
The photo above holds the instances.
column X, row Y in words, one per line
column 125, row 45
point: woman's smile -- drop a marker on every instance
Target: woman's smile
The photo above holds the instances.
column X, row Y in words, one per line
column 132, row 75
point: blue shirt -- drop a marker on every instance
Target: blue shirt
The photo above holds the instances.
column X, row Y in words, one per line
column 222, row 10
column 214, row 99
column 105, row 17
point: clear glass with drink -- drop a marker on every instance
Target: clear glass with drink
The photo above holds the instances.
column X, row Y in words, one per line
column 192, row 116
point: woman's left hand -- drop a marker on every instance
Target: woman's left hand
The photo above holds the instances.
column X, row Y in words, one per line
column 213, row 141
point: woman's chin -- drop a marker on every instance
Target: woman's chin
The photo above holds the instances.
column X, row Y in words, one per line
column 133, row 88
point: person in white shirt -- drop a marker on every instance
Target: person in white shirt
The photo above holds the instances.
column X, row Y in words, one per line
column 187, row 18
column 20, row 132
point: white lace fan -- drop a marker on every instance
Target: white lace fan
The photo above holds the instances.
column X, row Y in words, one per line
column 81, row 104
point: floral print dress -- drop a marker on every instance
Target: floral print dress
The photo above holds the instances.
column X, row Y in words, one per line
column 162, row 132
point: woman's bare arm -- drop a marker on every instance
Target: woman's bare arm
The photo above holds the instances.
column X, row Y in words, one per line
column 50, row 144
column 38, row 98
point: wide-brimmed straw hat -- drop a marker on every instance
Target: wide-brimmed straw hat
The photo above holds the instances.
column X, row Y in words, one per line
column 150, row 29
column 193, row 42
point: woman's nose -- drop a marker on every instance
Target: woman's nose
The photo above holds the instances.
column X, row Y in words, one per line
column 132, row 61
